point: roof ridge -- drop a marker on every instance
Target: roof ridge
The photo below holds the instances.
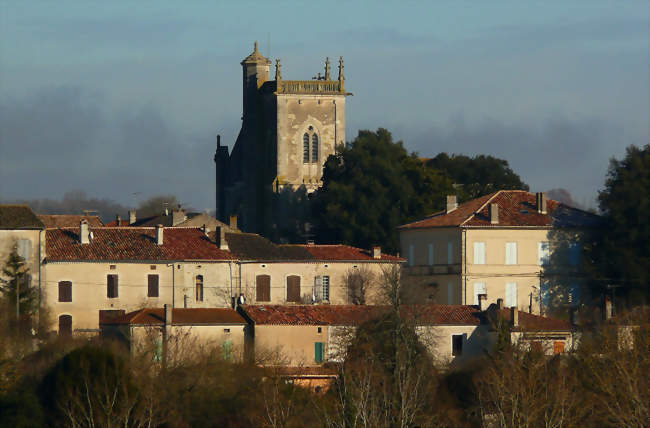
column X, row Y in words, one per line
column 480, row 208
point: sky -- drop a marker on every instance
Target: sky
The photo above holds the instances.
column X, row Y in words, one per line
column 123, row 100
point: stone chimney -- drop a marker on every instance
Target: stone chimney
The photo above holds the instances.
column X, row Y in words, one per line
column 452, row 203
column 540, row 198
column 376, row 252
column 131, row 217
column 178, row 216
column 220, row 236
column 482, row 302
column 608, row 308
column 159, row 234
column 118, row 219
column 233, row 222
column 499, row 304
column 515, row 316
column 84, row 232
column 494, row 214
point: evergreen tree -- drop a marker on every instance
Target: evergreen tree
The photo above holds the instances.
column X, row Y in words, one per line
column 16, row 281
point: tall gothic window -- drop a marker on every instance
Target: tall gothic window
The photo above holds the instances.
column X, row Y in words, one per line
column 305, row 148
column 314, row 148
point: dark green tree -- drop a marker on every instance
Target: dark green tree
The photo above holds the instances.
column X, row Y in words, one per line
column 16, row 281
column 371, row 187
column 622, row 254
column 478, row 175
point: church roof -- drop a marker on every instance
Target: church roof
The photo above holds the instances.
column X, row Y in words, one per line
column 256, row 56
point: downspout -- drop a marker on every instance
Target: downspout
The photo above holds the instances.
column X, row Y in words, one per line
column 230, row 268
column 464, row 240
column 173, row 285
column 40, row 273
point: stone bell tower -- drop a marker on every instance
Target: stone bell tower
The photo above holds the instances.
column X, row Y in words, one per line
column 289, row 128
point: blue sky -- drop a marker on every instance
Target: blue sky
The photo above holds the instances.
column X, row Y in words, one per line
column 121, row 97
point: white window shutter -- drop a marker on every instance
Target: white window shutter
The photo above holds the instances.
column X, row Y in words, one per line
column 479, row 253
column 511, row 294
column 511, row 253
column 318, row 288
column 543, row 253
column 24, row 248
column 430, row 254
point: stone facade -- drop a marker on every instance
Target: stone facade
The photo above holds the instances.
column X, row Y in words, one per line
column 289, row 128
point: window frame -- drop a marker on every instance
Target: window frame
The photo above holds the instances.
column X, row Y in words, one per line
column 199, row 288
column 258, row 288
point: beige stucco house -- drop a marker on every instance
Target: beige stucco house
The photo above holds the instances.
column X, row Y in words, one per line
column 510, row 244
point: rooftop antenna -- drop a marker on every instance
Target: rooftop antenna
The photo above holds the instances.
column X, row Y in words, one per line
column 268, row 44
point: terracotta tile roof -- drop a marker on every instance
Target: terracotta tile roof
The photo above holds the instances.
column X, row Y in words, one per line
column 19, row 217
column 530, row 322
column 156, row 316
column 131, row 243
column 123, row 223
column 255, row 247
column 69, row 220
column 516, row 209
column 358, row 314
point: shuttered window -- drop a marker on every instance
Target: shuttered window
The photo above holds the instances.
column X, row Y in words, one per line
column 543, row 253
column 152, row 285
column 111, row 286
column 305, row 148
column 511, row 253
column 479, row 288
column 65, row 325
column 326, row 288
column 293, row 288
column 65, row 291
column 263, row 288
column 456, row 345
column 479, row 253
column 318, row 288
column 511, row 294
column 199, row 288
column 319, row 352
column 431, row 255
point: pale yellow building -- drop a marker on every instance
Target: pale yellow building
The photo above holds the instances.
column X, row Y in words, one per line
column 510, row 244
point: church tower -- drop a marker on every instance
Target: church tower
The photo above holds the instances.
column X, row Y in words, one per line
column 289, row 128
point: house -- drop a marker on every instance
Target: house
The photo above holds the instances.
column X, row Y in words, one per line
column 175, row 218
column 69, row 220
column 511, row 244
column 179, row 333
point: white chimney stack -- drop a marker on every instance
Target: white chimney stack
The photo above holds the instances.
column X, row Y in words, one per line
column 494, row 214
column 376, row 252
column 159, row 234
column 499, row 303
column 482, row 302
column 452, row 203
column 221, row 238
column 84, row 233
column 131, row 217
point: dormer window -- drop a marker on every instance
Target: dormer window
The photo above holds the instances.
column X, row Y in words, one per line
column 310, row 146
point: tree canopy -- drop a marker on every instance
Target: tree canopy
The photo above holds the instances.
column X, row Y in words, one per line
column 623, row 252
column 478, row 175
column 371, row 187
column 156, row 205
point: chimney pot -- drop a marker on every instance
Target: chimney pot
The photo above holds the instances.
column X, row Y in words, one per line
column 376, row 252
column 515, row 316
column 540, row 198
column 131, row 217
column 452, row 203
column 482, row 302
column 118, row 219
column 159, row 234
column 499, row 303
column 233, row 221
column 494, row 214
column 84, row 233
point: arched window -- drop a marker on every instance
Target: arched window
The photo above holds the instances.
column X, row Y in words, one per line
column 314, row 148
column 199, row 288
column 305, row 148
column 65, row 325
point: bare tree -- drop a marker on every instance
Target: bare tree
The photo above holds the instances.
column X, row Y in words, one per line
column 358, row 282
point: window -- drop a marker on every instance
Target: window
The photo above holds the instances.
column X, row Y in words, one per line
column 319, row 352
column 65, row 291
column 263, row 288
column 456, row 345
column 24, row 248
column 227, row 350
column 199, row 288
column 320, row 330
column 430, row 254
column 479, row 253
column 511, row 253
column 152, row 282
column 411, row 255
column 558, row 347
column 511, row 294
column 450, row 253
column 450, row 293
column 574, row 253
column 65, row 325
column 543, row 253
column 293, row 288
column 305, row 148
column 111, row 286
column 479, row 288
column 326, row 288
column 314, row 148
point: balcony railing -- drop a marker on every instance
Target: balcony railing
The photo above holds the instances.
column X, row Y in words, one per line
column 309, row 87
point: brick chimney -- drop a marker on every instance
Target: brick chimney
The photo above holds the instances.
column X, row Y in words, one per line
column 499, row 303
column 376, row 252
column 540, row 198
column 608, row 308
column 84, row 232
column 482, row 302
column 159, row 234
column 131, row 217
column 515, row 316
column 233, row 221
column 220, row 236
column 494, row 214
column 452, row 203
